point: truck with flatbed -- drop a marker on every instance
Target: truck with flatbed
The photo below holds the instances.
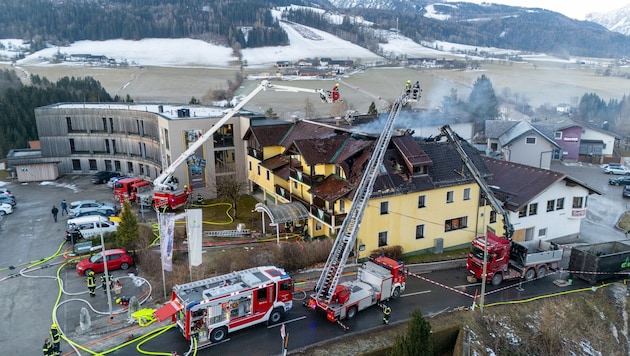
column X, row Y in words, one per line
column 510, row 259
column 597, row 262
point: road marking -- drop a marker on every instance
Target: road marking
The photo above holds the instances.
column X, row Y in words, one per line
column 416, row 293
column 286, row 322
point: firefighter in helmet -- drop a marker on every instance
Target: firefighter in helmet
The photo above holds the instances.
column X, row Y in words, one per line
column 91, row 284
column 408, row 87
column 47, row 348
column 387, row 311
column 55, row 336
column 335, row 92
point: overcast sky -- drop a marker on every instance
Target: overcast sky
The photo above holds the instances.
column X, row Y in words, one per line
column 576, row 9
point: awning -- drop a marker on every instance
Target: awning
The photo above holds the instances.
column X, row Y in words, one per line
column 284, row 212
column 167, row 311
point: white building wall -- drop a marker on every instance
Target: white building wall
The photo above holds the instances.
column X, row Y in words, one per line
column 609, row 141
column 536, row 155
column 558, row 223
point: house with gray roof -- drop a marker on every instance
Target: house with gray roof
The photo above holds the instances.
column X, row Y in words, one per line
column 520, row 142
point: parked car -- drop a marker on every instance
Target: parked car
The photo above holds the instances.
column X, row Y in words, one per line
column 89, row 226
column 619, row 181
column 617, row 170
column 76, row 207
column 626, row 191
column 105, row 211
column 612, row 165
column 8, row 199
column 5, row 191
column 103, row 177
column 5, row 209
column 116, row 259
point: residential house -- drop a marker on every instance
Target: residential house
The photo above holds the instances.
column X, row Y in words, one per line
column 520, row 142
column 541, row 204
column 579, row 142
column 424, row 198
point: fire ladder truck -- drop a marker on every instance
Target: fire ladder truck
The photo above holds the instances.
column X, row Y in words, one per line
column 378, row 279
column 165, row 193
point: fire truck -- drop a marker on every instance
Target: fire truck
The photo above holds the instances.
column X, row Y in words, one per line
column 210, row 309
column 378, row 279
column 166, row 192
column 127, row 189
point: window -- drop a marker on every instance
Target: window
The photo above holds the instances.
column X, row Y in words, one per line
column 560, row 204
column 557, row 135
column 249, row 164
column 108, row 165
column 530, row 140
column 294, row 184
column 107, row 145
column 76, row 165
column 105, row 124
column 382, row 238
column 130, row 167
column 522, row 212
column 493, row 216
column 92, row 163
column 111, row 124
column 466, row 193
column 342, row 206
column 419, row 231
column 268, row 175
column 258, row 170
column 551, row 204
column 422, row 201
column 542, row 232
column 117, row 166
column 494, row 146
column 69, row 123
column 456, row 224
column 141, row 166
column 533, row 209
column 449, row 196
column 72, row 147
column 262, row 294
column 384, row 208
column 114, row 146
column 577, row 202
column 318, row 226
column 166, row 141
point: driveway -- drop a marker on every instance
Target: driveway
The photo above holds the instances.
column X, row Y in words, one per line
column 604, row 210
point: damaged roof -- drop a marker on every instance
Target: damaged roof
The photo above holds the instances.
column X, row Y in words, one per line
column 521, row 183
column 268, row 135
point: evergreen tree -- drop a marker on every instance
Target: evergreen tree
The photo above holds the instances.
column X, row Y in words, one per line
column 416, row 341
column 129, row 229
column 483, row 103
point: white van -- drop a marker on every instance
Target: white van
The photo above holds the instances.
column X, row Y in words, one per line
column 89, row 226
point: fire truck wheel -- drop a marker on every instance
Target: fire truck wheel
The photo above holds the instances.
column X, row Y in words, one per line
column 396, row 293
column 218, row 334
column 124, row 266
column 542, row 271
column 530, row 274
column 497, row 279
column 275, row 317
column 351, row 312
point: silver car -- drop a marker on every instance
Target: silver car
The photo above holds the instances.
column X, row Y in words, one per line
column 81, row 206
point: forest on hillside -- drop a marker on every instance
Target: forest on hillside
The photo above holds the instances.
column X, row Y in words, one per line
column 18, row 103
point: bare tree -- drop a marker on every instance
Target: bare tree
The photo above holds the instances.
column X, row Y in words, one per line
column 231, row 187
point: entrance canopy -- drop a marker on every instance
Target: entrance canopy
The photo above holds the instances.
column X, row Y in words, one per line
column 284, row 213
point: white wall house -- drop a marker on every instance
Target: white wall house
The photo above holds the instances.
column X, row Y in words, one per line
column 542, row 204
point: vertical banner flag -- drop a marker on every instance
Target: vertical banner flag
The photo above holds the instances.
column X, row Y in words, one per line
column 167, row 225
column 193, row 227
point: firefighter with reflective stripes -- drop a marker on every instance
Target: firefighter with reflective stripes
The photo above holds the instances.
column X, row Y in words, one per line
column 55, row 336
column 387, row 311
column 47, row 349
column 91, row 284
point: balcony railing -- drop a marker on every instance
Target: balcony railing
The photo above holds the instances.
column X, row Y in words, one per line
column 307, row 179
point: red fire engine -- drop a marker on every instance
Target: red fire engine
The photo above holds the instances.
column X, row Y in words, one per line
column 211, row 308
column 126, row 189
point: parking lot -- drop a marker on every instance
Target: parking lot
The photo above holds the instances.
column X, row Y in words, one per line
column 27, row 237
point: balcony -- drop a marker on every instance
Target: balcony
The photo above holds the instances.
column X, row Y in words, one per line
column 258, row 154
column 307, row 179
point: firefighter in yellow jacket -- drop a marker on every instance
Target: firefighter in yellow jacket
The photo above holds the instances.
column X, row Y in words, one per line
column 91, row 284
column 387, row 311
column 55, row 336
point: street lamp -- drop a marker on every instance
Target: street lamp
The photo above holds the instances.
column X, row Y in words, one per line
column 109, row 296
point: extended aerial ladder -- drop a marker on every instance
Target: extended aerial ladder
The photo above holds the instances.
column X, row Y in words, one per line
column 497, row 206
column 164, row 182
column 345, row 241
